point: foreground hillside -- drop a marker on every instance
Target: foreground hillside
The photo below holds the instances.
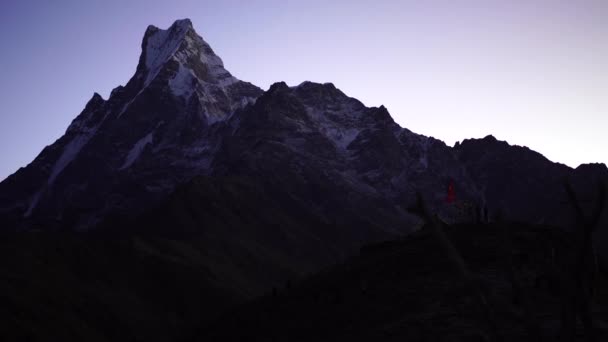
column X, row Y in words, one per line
column 406, row 290
column 69, row 287
column 58, row 287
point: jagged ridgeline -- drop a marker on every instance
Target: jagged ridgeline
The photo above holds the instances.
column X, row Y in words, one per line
column 183, row 115
column 245, row 188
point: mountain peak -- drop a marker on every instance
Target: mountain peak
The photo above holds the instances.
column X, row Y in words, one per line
column 179, row 52
column 97, row 97
column 182, row 23
column 278, row 86
column 178, row 25
column 178, row 61
column 159, row 46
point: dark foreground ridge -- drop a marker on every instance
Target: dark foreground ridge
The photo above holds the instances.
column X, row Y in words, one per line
column 406, row 290
column 150, row 288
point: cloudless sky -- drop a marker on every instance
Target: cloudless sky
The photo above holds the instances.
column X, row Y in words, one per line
column 532, row 72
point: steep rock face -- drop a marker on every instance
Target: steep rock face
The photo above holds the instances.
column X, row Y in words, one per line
column 315, row 136
column 123, row 153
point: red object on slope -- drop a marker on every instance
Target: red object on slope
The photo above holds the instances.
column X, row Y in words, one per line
column 451, row 193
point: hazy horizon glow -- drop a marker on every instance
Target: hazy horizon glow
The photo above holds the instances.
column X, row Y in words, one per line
column 534, row 73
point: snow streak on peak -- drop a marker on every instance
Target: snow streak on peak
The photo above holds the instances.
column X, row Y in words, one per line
column 181, row 44
column 137, row 150
column 182, row 84
column 160, row 47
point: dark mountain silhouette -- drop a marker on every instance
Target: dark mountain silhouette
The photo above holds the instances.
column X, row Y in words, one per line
column 240, row 190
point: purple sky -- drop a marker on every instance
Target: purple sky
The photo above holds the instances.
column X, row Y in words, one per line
column 534, row 73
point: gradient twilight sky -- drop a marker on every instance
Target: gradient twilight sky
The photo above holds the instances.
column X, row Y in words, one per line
column 532, row 72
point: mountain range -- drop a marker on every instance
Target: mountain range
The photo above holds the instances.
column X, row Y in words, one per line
column 264, row 186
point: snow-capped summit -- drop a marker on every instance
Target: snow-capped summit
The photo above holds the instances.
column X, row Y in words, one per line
column 160, row 122
column 159, row 46
column 179, row 59
column 180, row 43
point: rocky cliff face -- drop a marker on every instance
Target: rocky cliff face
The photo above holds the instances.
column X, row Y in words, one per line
column 121, row 154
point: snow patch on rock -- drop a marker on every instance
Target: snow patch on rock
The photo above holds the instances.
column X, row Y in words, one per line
column 160, row 46
column 137, row 150
column 424, row 153
column 341, row 137
column 183, row 83
column 70, row 151
column 33, row 203
column 342, row 132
